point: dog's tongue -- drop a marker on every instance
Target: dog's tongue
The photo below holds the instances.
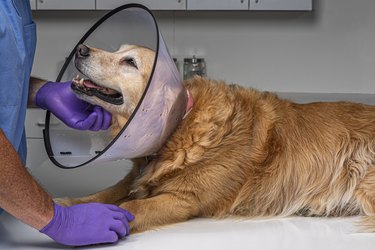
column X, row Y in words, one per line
column 89, row 84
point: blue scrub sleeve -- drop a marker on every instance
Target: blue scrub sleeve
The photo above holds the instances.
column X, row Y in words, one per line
column 17, row 48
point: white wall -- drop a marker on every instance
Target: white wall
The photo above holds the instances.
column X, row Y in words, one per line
column 331, row 49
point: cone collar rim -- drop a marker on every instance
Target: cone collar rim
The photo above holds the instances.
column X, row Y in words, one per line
column 46, row 136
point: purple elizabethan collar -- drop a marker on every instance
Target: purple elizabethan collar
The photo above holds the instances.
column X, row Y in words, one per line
column 161, row 108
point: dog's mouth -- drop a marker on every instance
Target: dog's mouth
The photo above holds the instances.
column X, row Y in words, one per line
column 88, row 87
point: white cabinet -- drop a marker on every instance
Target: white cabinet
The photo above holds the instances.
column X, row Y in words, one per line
column 217, row 4
column 293, row 5
column 65, row 4
column 34, row 126
column 263, row 5
column 36, row 154
column 151, row 4
column 35, row 119
column 33, row 4
column 60, row 182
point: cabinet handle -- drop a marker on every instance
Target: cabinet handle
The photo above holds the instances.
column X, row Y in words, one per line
column 41, row 1
column 43, row 124
column 65, row 153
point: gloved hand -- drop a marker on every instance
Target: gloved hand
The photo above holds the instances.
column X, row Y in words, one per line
column 58, row 98
column 88, row 224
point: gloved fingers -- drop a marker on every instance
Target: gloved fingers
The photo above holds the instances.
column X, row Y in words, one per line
column 119, row 227
column 127, row 226
column 87, row 123
column 121, row 216
column 109, row 237
column 129, row 216
column 99, row 120
column 107, row 120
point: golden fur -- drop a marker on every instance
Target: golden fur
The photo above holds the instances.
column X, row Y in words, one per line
column 241, row 152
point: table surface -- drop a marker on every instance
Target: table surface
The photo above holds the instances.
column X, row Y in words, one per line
column 229, row 234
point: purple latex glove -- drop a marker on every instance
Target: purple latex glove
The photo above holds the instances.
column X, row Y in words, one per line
column 59, row 98
column 88, row 224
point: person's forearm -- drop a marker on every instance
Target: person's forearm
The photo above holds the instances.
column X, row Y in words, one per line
column 34, row 85
column 20, row 194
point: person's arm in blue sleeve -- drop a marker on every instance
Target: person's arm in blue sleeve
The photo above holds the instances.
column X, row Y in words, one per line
column 25, row 199
column 59, row 98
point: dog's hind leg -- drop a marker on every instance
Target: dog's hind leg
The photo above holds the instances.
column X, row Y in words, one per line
column 365, row 195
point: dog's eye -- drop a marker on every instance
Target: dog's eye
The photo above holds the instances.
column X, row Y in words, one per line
column 129, row 61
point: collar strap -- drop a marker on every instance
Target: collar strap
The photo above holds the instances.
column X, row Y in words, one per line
column 189, row 103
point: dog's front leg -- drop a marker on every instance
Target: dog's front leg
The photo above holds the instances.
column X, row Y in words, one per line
column 160, row 210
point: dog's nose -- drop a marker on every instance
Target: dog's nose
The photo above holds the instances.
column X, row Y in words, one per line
column 83, row 51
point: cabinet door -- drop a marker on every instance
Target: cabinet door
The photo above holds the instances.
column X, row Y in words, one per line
column 294, row 5
column 36, row 154
column 65, row 4
column 151, row 4
column 217, row 4
column 33, row 4
column 35, row 123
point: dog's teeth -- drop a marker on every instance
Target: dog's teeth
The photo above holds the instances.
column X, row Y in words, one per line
column 81, row 81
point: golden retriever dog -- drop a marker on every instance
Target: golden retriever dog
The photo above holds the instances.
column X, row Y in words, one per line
column 239, row 152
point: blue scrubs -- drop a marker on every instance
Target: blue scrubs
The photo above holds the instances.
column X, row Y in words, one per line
column 17, row 48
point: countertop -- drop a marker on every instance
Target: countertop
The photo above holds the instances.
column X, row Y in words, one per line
column 279, row 233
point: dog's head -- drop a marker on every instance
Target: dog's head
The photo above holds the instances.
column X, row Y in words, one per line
column 113, row 80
